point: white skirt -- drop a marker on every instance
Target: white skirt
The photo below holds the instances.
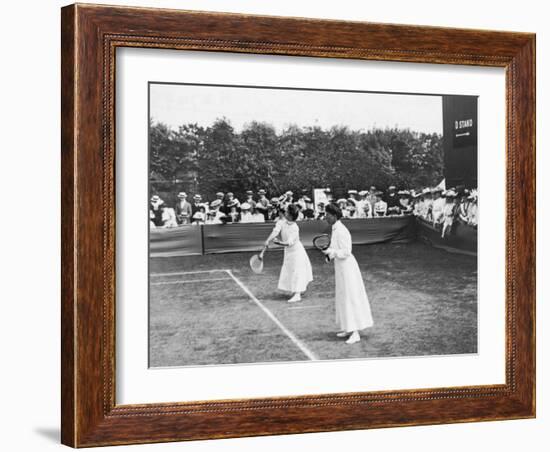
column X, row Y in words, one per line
column 353, row 311
column 296, row 271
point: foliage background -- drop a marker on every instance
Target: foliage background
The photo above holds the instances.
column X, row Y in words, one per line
column 205, row 160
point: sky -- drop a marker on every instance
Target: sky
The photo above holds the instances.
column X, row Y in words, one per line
column 176, row 104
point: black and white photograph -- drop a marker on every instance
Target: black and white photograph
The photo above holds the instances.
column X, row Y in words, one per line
column 292, row 224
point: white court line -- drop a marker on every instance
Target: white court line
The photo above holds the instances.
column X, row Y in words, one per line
column 306, row 351
column 187, row 281
column 188, row 273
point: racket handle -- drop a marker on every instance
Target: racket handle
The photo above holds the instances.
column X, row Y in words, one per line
column 262, row 252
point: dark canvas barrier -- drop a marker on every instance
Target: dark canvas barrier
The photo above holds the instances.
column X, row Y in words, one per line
column 185, row 240
column 227, row 238
column 462, row 239
column 251, row 236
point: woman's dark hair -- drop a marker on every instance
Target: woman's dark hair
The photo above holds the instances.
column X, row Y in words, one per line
column 334, row 210
column 293, row 210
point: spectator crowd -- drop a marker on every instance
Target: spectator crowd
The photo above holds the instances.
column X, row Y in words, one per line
column 435, row 205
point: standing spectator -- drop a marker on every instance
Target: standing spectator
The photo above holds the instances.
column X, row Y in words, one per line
column 405, row 205
column 183, row 209
column 463, row 206
column 449, row 212
column 273, row 211
column 250, row 199
column 308, row 211
column 371, row 197
column 380, row 206
column 360, row 205
column 472, row 209
column 419, row 205
column 286, row 200
column 263, row 204
column 438, row 204
column 155, row 210
column 428, row 204
column 230, row 200
column 392, row 200
column 197, row 204
column 328, row 194
column 352, row 194
column 302, row 201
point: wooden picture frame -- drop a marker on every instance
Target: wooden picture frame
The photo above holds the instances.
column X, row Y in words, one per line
column 90, row 35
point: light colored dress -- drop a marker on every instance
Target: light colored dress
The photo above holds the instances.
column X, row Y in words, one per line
column 296, row 271
column 353, row 311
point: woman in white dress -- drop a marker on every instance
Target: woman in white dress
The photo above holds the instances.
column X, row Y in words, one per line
column 353, row 312
column 296, row 271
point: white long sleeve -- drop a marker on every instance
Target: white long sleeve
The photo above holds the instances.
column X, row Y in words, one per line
column 276, row 231
column 340, row 244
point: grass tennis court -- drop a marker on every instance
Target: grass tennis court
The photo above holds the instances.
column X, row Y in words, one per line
column 213, row 310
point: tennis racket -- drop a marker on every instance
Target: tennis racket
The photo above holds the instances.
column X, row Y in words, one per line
column 321, row 242
column 257, row 261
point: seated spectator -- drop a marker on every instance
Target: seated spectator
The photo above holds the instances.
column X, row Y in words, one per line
column 380, row 206
column 169, row 217
column 309, row 212
column 320, row 214
column 246, row 214
column 273, row 209
column 300, row 215
column 342, row 204
column 199, row 217
column 233, row 216
column 257, row 216
column 215, row 208
column 212, row 217
column 351, row 208
column 155, row 210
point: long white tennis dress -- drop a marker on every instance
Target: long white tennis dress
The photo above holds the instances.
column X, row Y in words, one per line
column 296, row 271
column 353, row 311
